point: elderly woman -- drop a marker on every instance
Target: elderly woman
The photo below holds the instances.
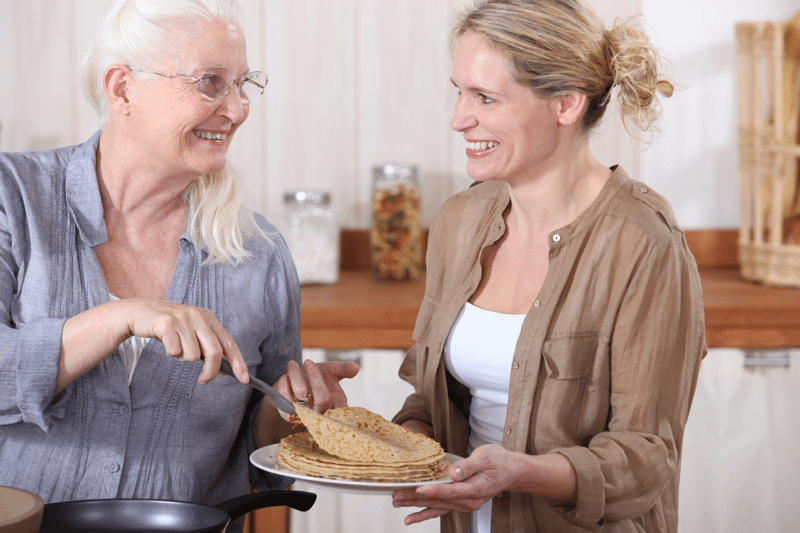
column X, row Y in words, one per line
column 558, row 344
column 140, row 236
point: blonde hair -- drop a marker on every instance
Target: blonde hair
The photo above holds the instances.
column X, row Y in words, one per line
column 140, row 32
column 560, row 46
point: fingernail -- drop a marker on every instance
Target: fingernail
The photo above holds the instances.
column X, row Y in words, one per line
column 458, row 473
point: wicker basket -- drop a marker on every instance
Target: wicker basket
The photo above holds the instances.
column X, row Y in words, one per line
column 769, row 151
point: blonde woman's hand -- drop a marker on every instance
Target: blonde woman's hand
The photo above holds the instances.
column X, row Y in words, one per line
column 487, row 472
column 476, row 479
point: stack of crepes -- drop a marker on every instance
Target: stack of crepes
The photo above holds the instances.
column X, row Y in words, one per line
column 354, row 443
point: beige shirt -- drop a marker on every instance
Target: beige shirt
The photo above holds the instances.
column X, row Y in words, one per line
column 605, row 367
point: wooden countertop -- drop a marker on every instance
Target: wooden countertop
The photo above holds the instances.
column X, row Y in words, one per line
column 743, row 314
column 358, row 312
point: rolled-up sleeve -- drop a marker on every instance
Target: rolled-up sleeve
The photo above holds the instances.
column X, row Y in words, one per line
column 28, row 372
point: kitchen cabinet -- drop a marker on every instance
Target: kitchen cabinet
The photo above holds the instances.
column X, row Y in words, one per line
column 741, row 469
column 268, row 520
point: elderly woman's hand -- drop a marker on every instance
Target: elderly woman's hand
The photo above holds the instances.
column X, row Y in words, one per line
column 188, row 334
column 317, row 384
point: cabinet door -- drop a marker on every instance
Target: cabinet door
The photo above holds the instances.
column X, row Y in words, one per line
column 268, row 520
column 377, row 388
column 741, row 469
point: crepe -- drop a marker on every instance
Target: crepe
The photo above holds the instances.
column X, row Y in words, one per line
column 300, row 453
column 356, row 444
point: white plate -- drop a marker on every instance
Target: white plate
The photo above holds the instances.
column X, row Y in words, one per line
column 265, row 459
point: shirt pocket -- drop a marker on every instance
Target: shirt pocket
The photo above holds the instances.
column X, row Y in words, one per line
column 575, row 392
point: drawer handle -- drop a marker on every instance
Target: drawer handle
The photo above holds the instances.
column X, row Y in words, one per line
column 758, row 359
column 343, row 355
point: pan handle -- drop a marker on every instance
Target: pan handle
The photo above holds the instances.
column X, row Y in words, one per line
column 296, row 499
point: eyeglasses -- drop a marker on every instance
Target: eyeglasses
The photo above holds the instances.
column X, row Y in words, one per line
column 215, row 84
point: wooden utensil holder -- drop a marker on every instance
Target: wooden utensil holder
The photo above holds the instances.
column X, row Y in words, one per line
column 769, row 151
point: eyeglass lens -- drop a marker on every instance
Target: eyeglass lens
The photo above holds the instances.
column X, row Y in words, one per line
column 216, row 85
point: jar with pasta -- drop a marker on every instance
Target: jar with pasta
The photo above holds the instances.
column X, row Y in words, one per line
column 396, row 233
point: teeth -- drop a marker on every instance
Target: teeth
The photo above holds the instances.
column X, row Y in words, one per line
column 211, row 136
column 481, row 146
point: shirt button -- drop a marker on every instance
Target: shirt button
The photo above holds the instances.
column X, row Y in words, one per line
column 644, row 189
column 507, row 430
column 123, row 409
column 556, row 237
column 113, row 467
column 537, row 303
column 515, row 366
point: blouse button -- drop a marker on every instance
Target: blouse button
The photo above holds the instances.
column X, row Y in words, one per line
column 507, row 430
column 537, row 303
column 644, row 189
column 114, row 467
column 123, row 409
column 515, row 366
column 556, row 237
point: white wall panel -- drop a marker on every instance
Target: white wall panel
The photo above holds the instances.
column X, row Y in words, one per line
column 35, row 100
column 695, row 162
column 359, row 82
column 84, row 17
column 311, row 130
column 249, row 151
column 403, row 93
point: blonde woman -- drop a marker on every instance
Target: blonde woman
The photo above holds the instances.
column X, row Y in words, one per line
column 125, row 259
column 558, row 344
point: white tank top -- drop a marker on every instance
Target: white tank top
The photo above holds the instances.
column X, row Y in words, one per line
column 478, row 353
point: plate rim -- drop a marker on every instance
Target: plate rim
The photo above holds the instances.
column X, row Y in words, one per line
column 344, row 485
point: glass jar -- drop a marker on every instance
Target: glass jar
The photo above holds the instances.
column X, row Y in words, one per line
column 396, row 233
column 312, row 234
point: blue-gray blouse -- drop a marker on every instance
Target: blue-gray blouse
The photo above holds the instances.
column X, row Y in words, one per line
column 164, row 436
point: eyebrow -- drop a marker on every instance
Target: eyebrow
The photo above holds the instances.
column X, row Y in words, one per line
column 478, row 89
column 212, row 68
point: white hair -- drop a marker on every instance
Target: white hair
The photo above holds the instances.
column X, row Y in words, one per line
column 140, row 32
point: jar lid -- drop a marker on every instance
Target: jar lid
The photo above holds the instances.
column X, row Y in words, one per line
column 395, row 171
column 309, row 197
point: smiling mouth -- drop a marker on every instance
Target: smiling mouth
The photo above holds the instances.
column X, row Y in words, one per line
column 211, row 136
column 482, row 146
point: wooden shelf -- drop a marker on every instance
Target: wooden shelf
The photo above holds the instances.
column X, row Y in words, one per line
column 357, row 312
column 743, row 314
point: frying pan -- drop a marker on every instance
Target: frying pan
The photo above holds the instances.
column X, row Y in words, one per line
column 144, row 516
